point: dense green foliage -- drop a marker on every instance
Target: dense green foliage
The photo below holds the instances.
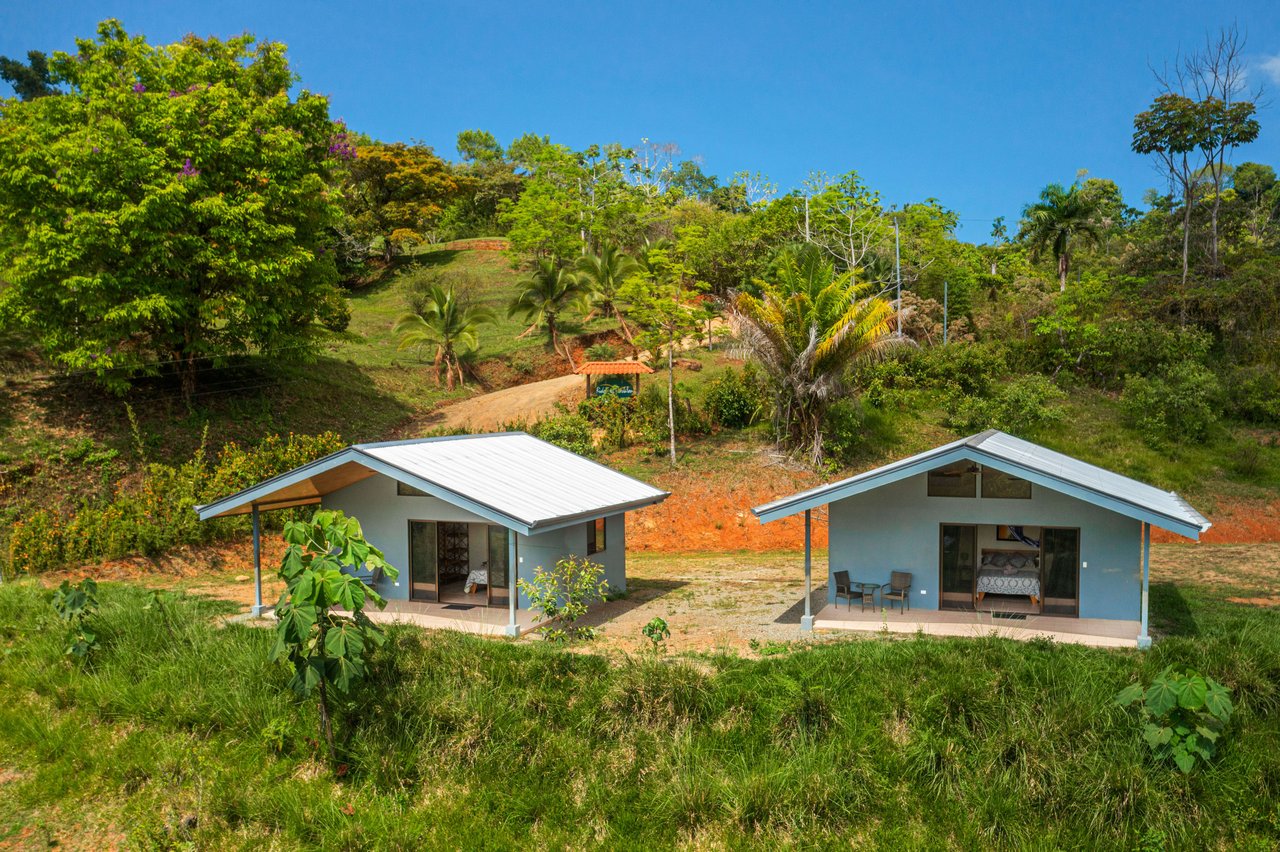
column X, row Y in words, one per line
column 975, row 743
column 1184, row 715
column 170, row 206
column 561, row 595
column 157, row 513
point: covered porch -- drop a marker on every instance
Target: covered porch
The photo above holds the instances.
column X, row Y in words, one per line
column 478, row 619
column 1096, row 632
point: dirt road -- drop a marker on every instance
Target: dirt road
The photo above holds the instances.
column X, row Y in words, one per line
column 511, row 405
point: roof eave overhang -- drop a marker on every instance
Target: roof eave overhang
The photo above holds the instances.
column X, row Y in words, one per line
column 581, row 517
column 868, row 482
column 244, row 501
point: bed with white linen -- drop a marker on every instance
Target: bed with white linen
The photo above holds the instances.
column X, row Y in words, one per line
column 1009, row 572
column 477, row 577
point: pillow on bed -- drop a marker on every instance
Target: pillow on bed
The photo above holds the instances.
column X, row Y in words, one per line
column 1017, row 562
column 997, row 560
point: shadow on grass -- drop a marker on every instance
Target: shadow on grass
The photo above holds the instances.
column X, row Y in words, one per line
column 244, row 400
column 817, row 600
column 1170, row 613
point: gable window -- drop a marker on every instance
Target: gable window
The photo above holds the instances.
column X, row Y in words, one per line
column 956, row 480
column 1000, row 485
column 404, row 490
column 595, row 536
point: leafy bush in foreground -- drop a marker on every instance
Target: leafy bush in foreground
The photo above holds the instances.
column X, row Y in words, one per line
column 1184, row 715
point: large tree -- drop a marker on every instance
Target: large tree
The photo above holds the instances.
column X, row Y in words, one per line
column 807, row 326
column 1056, row 221
column 30, row 79
column 170, row 207
column 394, row 194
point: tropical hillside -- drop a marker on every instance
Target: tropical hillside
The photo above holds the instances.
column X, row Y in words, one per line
column 207, row 279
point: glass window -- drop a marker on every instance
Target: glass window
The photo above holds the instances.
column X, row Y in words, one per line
column 1001, row 485
column 957, row 480
column 595, row 536
column 409, row 491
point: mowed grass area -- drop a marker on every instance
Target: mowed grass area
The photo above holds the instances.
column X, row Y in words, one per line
column 181, row 733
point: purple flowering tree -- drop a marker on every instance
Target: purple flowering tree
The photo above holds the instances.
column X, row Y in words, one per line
column 169, row 206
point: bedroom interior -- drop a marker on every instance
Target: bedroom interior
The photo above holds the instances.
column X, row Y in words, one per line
column 452, row 563
column 1009, row 569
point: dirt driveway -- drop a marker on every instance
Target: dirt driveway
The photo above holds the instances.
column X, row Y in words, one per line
column 491, row 411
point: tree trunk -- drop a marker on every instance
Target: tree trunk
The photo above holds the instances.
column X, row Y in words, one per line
column 1064, row 266
column 326, row 724
column 1186, row 249
column 671, row 394
column 626, row 332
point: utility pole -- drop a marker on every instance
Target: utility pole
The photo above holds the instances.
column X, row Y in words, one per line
column 897, row 266
column 946, row 325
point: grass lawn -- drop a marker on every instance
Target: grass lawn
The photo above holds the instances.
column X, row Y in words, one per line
column 181, row 734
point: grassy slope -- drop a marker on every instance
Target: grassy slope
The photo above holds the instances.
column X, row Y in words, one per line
column 916, row 743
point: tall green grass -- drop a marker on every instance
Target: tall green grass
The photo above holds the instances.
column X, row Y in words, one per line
column 461, row 741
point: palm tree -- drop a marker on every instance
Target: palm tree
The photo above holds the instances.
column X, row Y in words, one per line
column 806, row 327
column 450, row 324
column 545, row 295
column 1060, row 216
column 605, row 273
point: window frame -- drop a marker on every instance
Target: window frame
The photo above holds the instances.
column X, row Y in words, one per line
column 596, row 537
column 961, row 469
column 1007, row 477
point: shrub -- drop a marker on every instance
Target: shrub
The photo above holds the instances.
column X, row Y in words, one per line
column 567, row 430
column 602, row 352
column 1254, row 394
column 734, row 398
column 523, row 364
column 76, row 605
column 850, row 428
column 651, row 417
column 1022, row 405
column 611, row 414
column 562, row 596
column 158, row 513
column 1183, row 715
column 1180, row 405
column 657, row 632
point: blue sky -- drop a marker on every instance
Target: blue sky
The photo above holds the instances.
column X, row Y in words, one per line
column 978, row 105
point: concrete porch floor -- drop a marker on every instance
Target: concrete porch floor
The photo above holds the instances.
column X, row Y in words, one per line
column 1098, row 632
column 483, row 620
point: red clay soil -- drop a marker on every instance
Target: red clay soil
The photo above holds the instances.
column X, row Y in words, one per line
column 1236, row 522
column 712, row 512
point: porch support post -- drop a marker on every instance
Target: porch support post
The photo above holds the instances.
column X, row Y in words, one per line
column 806, row 622
column 257, row 607
column 1144, row 638
column 513, row 571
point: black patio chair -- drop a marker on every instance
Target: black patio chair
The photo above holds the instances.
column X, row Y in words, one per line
column 899, row 589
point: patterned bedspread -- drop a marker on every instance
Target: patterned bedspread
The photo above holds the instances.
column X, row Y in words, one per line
column 477, row 577
column 995, row 581
column 1009, row 572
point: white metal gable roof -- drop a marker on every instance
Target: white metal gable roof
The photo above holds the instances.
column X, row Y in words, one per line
column 510, row 478
column 1017, row 457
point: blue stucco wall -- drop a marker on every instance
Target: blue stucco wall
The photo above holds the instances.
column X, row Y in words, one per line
column 895, row 528
column 385, row 515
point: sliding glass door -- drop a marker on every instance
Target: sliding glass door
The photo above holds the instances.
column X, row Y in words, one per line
column 958, row 550
column 499, row 554
column 424, row 581
column 1060, row 570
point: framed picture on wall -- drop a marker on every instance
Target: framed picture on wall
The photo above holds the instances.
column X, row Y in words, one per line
column 1003, row 533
